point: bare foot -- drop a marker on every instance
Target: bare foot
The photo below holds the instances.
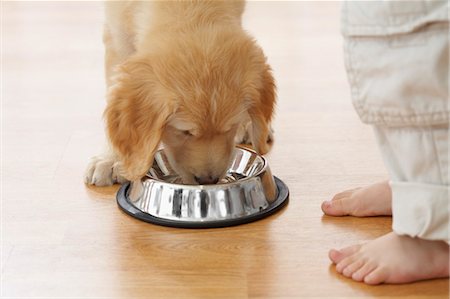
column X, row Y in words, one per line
column 374, row 200
column 393, row 259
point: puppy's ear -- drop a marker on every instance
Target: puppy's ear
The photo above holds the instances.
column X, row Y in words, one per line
column 135, row 117
column 261, row 113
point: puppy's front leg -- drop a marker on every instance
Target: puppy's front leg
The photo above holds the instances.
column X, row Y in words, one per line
column 103, row 169
column 243, row 135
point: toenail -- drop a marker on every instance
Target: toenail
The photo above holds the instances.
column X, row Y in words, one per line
column 347, row 273
column 356, row 277
column 339, row 268
column 333, row 253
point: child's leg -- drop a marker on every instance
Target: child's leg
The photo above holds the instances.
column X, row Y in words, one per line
column 397, row 59
column 417, row 160
column 418, row 163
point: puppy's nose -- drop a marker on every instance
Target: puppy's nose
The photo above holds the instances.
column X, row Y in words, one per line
column 206, row 180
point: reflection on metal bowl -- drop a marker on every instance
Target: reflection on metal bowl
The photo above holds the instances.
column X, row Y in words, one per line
column 247, row 192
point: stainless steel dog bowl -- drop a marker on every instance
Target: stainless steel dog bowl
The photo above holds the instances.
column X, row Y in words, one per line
column 247, row 193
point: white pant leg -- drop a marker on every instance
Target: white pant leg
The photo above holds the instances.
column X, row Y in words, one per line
column 417, row 159
column 396, row 56
column 397, row 61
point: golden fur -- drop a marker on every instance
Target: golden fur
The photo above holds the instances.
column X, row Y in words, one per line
column 186, row 74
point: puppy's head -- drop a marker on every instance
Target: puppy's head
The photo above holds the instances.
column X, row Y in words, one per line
column 192, row 97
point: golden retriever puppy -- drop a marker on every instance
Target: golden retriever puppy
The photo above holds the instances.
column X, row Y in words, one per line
column 184, row 74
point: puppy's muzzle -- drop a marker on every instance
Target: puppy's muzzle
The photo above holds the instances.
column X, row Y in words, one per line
column 206, row 180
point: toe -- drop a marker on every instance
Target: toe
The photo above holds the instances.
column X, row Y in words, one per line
column 361, row 273
column 88, row 176
column 343, row 264
column 353, row 267
column 89, row 173
column 116, row 174
column 102, row 174
column 337, row 207
column 377, row 276
column 338, row 255
column 335, row 256
column 346, row 193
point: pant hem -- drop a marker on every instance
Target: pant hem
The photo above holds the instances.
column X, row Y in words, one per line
column 421, row 210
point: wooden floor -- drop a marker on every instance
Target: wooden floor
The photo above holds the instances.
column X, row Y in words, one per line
column 61, row 239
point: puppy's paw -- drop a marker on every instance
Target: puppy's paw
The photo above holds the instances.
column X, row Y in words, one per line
column 270, row 137
column 243, row 134
column 103, row 171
